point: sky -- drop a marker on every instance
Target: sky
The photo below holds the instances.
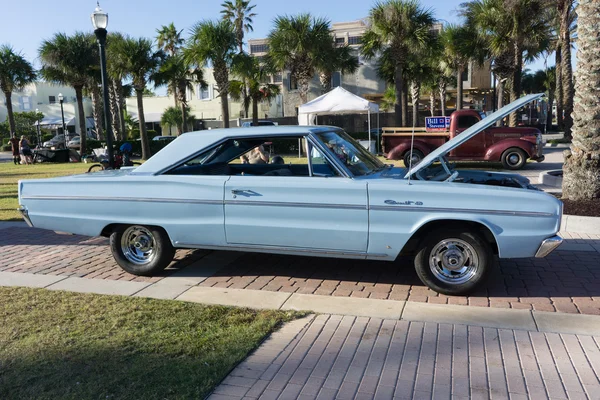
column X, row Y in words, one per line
column 26, row 23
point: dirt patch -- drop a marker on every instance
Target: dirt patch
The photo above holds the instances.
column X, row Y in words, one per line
column 587, row 208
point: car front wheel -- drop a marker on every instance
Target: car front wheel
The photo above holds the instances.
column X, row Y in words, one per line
column 412, row 158
column 514, row 159
column 141, row 250
column 454, row 262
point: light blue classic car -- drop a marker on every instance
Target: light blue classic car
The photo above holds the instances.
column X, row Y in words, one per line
column 309, row 191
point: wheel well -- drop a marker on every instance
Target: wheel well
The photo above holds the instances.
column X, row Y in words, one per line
column 110, row 228
column 412, row 246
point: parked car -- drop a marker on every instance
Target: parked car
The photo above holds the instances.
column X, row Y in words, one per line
column 261, row 122
column 58, row 141
column 164, row 138
column 74, row 143
column 511, row 146
column 339, row 201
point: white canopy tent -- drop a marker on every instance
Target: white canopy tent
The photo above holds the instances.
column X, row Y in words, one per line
column 337, row 101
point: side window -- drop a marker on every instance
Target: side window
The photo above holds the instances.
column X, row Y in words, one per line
column 321, row 165
column 467, row 121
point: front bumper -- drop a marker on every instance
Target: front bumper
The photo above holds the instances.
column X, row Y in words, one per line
column 548, row 246
column 25, row 215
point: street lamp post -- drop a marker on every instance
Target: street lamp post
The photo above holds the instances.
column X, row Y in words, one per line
column 39, row 136
column 62, row 113
column 100, row 22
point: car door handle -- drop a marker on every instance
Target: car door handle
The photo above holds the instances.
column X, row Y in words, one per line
column 238, row 191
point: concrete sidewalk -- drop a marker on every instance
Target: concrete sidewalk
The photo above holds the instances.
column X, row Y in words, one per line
column 342, row 357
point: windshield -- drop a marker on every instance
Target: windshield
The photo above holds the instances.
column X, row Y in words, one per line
column 355, row 157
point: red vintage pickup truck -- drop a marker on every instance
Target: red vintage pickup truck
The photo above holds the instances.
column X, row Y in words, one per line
column 511, row 146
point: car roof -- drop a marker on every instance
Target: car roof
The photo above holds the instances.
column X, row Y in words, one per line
column 191, row 143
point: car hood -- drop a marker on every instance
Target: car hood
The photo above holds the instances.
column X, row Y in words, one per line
column 471, row 132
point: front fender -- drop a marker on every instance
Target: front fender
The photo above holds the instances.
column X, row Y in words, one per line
column 494, row 152
column 397, row 152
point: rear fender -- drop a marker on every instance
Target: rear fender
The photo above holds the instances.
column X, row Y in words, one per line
column 397, row 152
column 494, row 152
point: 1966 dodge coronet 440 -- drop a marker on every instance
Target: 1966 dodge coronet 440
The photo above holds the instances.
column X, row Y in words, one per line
column 337, row 200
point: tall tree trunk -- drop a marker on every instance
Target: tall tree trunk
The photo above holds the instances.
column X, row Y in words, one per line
column 459, row 89
column 303, row 86
column 254, row 111
column 81, row 113
column 405, row 105
column 559, row 86
column 184, row 125
column 549, row 112
column 399, row 84
column 566, row 68
column 515, row 87
column 500, row 94
column 115, row 121
column 120, row 99
column 142, row 124
column 11, row 116
column 442, row 88
column 582, row 163
column 97, row 109
column 432, row 102
column 415, row 93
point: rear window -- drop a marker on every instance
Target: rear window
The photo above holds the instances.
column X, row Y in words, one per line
column 467, row 121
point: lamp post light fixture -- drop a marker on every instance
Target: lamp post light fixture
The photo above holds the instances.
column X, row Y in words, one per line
column 62, row 113
column 39, row 136
column 100, row 22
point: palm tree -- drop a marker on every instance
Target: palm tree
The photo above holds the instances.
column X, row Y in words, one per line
column 215, row 43
column 15, row 73
column 550, row 86
column 299, row 44
column 139, row 61
column 117, row 93
column 566, row 16
column 71, row 60
column 179, row 76
column 169, row 39
column 239, row 13
column 253, row 83
column 402, row 26
column 172, row 117
column 582, row 163
column 341, row 59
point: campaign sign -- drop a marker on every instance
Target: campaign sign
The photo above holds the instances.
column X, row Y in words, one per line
column 437, row 124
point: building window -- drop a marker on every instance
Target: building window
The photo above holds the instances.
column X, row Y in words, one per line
column 259, row 48
column 277, row 78
column 465, row 75
column 340, row 41
column 336, row 79
column 26, row 103
column 354, row 40
column 52, row 99
column 292, row 83
column 203, row 92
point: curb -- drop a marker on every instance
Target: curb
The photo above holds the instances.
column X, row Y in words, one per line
column 487, row 317
column 558, row 145
column 580, row 224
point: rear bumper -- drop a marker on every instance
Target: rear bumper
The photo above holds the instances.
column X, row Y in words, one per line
column 25, row 215
column 548, row 246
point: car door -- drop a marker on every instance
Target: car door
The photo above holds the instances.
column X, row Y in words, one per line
column 324, row 212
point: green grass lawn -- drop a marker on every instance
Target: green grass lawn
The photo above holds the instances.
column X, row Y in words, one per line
column 10, row 175
column 62, row 345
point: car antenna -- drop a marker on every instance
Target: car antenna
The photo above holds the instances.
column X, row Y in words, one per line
column 412, row 143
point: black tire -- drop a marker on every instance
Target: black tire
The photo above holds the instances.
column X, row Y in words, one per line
column 417, row 157
column 455, row 247
column 141, row 250
column 514, row 158
column 96, row 167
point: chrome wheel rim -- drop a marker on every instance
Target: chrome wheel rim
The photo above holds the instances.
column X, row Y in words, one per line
column 414, row 159
column 453, row 261
column 513, row 159
column 138, row 245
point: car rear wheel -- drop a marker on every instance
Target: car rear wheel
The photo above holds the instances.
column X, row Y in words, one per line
column 514, row 158
column 453, row 262
column 416, row 156
column 141, row 250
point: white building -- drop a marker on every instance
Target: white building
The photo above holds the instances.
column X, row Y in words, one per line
column 44, row 97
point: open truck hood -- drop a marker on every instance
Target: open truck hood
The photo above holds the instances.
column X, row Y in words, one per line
column 471, row 132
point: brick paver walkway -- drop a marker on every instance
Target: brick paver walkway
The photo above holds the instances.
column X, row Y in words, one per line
column 565, row 281
column 361, row 358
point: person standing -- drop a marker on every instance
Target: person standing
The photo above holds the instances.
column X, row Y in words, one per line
column 14, row 144
column 25, row 150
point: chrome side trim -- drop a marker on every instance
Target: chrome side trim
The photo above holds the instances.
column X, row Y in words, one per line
column 548, row 246
column 135, row 199
column 25, row 215
column 458, row 210
column 294, row 204
column 295, row 250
